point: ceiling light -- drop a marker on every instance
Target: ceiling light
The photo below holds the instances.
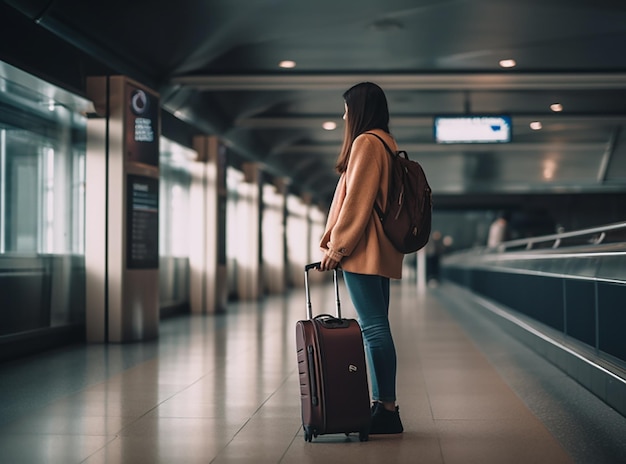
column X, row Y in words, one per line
column 329, row 125
column 556, row 107
column 287, row 64
column 536, row 125
column 508, row 63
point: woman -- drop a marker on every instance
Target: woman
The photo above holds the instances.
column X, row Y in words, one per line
column 354, row 239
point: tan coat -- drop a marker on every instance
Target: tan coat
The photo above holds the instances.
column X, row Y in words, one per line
column 354, row 234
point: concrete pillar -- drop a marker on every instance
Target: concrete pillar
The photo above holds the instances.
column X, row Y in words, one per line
column 122, row 211
column 420, row 262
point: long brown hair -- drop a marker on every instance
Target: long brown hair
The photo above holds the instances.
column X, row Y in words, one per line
column 367, row 110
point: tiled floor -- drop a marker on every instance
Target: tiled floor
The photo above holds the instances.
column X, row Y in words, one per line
column 224, row 389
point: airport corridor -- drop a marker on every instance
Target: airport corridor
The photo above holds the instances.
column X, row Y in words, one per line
column 224, row 389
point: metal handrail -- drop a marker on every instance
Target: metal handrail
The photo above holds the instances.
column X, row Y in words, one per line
column 523, row 248
column 559, row 237
column 593, row 260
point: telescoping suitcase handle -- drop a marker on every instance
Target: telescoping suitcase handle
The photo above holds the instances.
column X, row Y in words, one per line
column 309, row 308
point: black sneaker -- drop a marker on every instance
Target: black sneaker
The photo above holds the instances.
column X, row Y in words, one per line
column 375, row 406
column 384, row 421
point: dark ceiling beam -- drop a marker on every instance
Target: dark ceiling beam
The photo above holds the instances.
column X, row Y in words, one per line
column 425, row 148
column 457, row 81
column 294, row 122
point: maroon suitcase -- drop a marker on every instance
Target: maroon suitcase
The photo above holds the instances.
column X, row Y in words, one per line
column 333, row 376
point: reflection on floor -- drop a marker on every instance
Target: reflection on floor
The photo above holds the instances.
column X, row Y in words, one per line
column 222, row 389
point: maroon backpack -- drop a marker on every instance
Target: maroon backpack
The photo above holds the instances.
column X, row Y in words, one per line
column 407, row 215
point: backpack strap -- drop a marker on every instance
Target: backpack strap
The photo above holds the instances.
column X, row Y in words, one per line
column 379, row 211
column 389, row 150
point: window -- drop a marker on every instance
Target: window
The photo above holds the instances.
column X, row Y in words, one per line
column 42, row 167
column 175, row 181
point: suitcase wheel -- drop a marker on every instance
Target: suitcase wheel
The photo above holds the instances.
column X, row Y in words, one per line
column 363, row 435
column 308, row 434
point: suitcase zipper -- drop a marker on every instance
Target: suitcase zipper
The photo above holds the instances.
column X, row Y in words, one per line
column 312, row 379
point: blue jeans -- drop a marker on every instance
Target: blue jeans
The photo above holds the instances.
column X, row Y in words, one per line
column 370, row 296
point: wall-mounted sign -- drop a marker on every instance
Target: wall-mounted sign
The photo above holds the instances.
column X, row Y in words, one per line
column 142, row 126
column 142, row 222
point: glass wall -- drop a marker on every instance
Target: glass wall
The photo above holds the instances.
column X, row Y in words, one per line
column 273, row 239
column 298, row 240
column 235, row 235
column 174, row 223
column 43, row 134
column 317, row 221
column 42, row 203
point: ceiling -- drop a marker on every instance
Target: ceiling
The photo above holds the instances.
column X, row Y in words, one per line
column 215, row 64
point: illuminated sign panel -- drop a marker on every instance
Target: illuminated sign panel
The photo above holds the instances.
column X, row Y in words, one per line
column 473, row 129
column 142, row 126
column 142, row 222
